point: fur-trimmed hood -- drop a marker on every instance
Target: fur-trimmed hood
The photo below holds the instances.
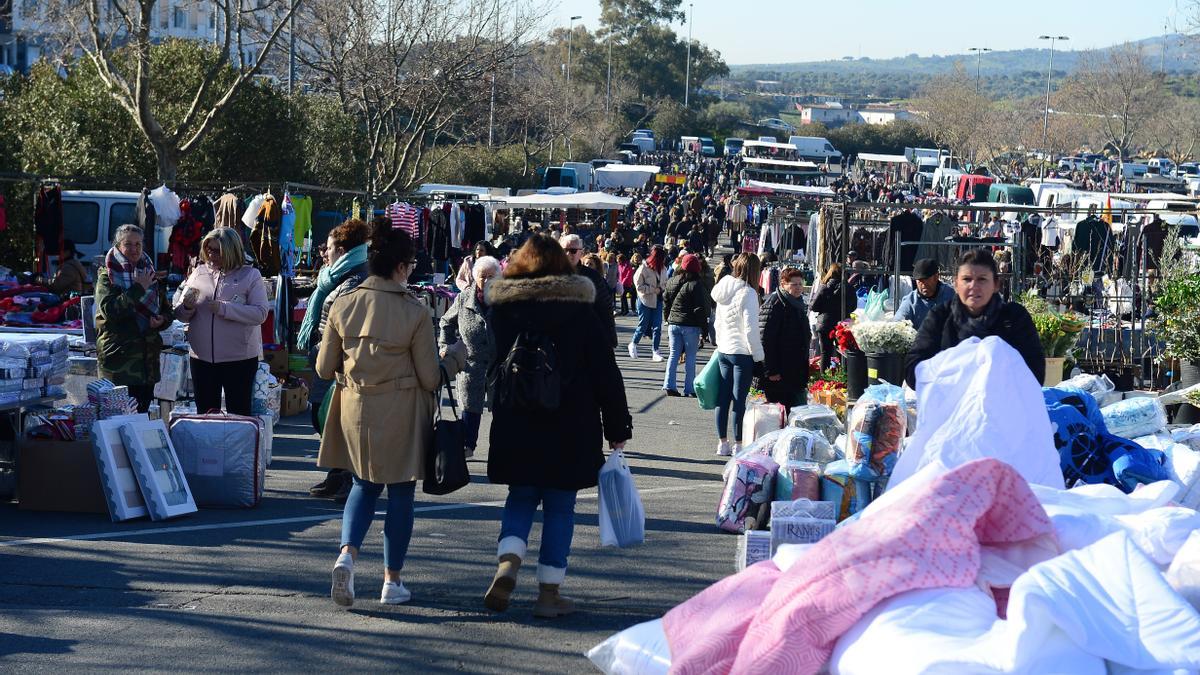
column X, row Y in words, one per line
column 557, row 288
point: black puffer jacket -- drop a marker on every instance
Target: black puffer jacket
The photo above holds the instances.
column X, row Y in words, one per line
column 940, row 331
column 564, row 450
column 832, row 303
column 785, row 338
column 686, row 300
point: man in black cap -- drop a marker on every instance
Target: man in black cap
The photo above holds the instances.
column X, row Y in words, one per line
column 928, row 292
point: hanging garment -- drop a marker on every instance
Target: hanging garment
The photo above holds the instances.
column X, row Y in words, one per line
column 303, row 206
column 166, row 205
column 264, row 238
column 439, row 234
column 227, row 212
column 48, row 222
column 457, row 225
column 910, row 227
column 1094, row 237
column 146, row 214
column 185, row 238
column 474, row 230
column 251, row 212
column 287, row 241
column 202, row 211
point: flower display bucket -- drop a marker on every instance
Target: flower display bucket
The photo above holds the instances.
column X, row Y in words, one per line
column 887, row 368
column 855, row 363
column 1054, row 370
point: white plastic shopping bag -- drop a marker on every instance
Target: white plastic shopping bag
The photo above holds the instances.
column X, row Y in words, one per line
column 622, row 519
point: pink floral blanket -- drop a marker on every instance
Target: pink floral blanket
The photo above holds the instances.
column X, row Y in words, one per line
column 766, row 621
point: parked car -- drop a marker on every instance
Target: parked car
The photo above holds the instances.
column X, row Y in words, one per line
column 776, row 123
column 733, row 146
column 1187, row 169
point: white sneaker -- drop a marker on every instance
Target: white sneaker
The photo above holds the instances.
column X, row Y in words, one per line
column 394, row 593
column 737, row 447
column 656, row 357
column 343, row 581
column 633, row 351
column 723, row 449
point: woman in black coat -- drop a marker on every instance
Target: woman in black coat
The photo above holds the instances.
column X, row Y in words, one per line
column 830, row 300
column 783, row 324
column 977, row 311
column 546, row 456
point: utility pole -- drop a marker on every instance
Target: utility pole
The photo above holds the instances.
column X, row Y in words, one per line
column 292, row 52
column 687, row 78
column 608, row 86
column 1046, row 112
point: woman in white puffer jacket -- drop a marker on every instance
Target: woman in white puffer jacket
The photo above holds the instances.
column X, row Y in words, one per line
column 739, row 345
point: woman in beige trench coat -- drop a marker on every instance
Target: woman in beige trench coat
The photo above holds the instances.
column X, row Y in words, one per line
column 379, row 347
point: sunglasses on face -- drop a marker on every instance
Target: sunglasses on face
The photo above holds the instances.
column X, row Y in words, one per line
column 573, row 250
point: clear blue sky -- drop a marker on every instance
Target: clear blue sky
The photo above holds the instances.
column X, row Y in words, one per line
column 781, row 31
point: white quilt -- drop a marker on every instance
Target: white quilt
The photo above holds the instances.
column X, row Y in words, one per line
column 1106, row 606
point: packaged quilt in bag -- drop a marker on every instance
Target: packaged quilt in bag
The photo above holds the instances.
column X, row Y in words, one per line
column 798, row 480
column 762, row 419
column 622, row 518
column 222, row 458
column 820, row 418
column 748, row 484
column 839, row 487
column 1135, row 417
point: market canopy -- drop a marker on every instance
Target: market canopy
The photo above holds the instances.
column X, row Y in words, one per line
column 885, row 159
column 812, row 190
column 625, row 175
column 579, row 200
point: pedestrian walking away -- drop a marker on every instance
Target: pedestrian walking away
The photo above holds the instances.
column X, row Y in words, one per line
column 739, row 346
column 548, row 429
column 686, row 300
column 379, row 341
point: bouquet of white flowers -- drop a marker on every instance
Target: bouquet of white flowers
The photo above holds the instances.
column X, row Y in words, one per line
column 884, row 337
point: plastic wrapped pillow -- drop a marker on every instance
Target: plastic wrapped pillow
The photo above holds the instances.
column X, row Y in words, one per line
column 818, row 418
column 1135, row 417
column 640, row 650
column 1096, row 385
column 800, row 444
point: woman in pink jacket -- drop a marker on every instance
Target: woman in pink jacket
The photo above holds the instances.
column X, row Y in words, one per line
column 224, row 305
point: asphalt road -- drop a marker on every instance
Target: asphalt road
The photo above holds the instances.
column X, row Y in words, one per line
column 249, row 590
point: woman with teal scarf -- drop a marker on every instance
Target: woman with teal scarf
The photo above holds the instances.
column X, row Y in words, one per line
column 345, row 268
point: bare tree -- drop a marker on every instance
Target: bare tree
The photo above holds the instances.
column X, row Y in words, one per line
column 1120, row 91
column 116, row 36
column 953, row 112
column 417, row 73
column 1175, row 130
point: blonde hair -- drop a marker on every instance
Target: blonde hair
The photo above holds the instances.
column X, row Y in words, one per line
column 232, row 256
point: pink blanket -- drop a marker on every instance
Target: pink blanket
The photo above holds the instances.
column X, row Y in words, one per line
column 766, row 621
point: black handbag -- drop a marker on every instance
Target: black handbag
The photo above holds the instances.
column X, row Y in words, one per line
column 446, row 455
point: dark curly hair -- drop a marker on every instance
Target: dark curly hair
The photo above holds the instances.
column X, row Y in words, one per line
column 389, row 248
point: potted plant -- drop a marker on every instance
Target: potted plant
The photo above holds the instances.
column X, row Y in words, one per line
column 885, row 344
column 854, row 361
column 1058, row 332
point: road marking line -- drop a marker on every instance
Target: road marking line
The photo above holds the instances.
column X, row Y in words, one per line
column 332, row 515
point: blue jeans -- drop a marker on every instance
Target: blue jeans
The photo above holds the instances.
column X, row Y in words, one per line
column 736, row 372
column 558, row 520
column 649, row 322
column 397, row 528
column 685, row 340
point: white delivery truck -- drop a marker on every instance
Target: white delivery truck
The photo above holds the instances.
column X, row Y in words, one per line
column 815, row 149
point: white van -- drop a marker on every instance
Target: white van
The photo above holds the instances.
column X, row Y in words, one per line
column 584, row 175
column 90, row 217
column 815, row 149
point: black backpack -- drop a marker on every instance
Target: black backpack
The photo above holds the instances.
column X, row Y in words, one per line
column 529, row 377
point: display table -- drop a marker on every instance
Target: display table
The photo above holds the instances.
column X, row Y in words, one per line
column 12, row 415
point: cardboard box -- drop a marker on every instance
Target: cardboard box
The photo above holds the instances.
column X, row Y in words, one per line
column 294, row 401
column 278, row 360
column 59, row 476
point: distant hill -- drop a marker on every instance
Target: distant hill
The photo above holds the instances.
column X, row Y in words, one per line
column 1181, row 56
column 1015, row 73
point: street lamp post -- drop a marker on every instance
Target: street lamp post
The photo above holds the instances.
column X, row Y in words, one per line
column 570, row 33
column 1046, row 112
column 978, row 54
column 687, row 78
column 608, row 85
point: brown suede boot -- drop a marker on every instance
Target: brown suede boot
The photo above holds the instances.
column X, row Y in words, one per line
column 504, row 583
column 551, row 605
